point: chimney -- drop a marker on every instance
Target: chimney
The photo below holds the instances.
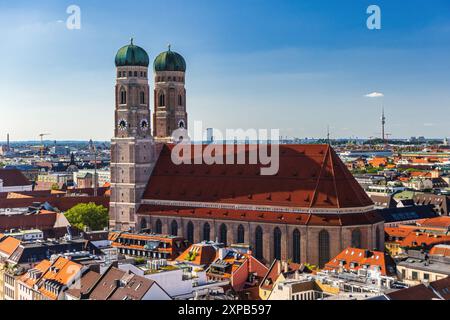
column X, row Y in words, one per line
column 285, row 266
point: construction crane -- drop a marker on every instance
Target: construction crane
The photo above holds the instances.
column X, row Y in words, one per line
column 41, row 135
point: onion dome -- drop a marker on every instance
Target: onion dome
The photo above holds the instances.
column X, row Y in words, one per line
column 169, row 61
column 131, row 55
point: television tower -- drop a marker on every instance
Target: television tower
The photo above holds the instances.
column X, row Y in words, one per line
column 383, row 123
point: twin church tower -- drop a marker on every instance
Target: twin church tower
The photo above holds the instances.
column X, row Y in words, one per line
column 135, row 143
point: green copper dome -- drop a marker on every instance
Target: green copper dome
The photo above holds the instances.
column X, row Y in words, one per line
column 169, row 61
column 131, row 55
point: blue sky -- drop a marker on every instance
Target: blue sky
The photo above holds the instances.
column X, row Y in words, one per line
column 293, row 65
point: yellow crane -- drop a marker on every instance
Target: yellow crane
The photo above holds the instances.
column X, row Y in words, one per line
column 41, row 135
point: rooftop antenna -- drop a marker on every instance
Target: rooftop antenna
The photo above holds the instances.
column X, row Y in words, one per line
column 169, row 46
column 383, row 123
column 328, row 135
column 94, row 150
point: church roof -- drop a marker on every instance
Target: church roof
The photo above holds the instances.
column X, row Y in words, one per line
column 309, row 176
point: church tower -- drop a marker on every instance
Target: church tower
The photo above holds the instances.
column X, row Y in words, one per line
column 169, row 96
column 132, row 148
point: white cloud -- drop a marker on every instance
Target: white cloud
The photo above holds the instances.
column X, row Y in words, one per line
column 374, row 95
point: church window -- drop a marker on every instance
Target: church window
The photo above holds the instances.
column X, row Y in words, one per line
column 356, row 238
column 206, row 232
column 180, row 100
column 223, row 234
column 123, row 96
column 377, row 239
column 142, row 97
column 190, row 232
column 296, row 246
column 162, row 100
column 181, row 124
column 135, row 73
column 324, row 248
column 174, row 228
column 241, row 234
column 158, row 226
column 145, row 74
column 258, row 243
column 277, row 243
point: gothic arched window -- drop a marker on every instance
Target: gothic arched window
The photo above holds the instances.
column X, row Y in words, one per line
column 378, row 239
column 277, row 243
column 223, row 234
column 180, row 100
column 324, row 248
column 181, row 124
column 162, row 100
column 241, row 234
column 174, row 228
column 206, row 232
column 158, row 226
column 296, row 246
column 142, row 97
column 190, row 232
column 143, row 224
column 258, row 243
column 356, row 238
column 123, row 96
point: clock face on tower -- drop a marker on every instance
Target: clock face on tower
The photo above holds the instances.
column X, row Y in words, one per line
column 144, row 125
column 122, row 124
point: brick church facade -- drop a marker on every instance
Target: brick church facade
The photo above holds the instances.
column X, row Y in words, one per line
column 309, row 211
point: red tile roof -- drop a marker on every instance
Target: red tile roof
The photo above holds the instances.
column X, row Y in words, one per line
column 440, row 250
column 417, row 239
column 438, row 222
column 309, row 176
column 360, row 258
column 398, row 232
column 13, row 178
column 8, row 245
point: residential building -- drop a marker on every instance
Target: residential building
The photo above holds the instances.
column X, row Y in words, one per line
column 116, row 284
column 150, row 246
column 435, row 290
column 13, row 180
column 421, row 267
column 49, row 279
column 240, row 268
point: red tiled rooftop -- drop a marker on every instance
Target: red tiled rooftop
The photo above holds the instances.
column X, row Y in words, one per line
column 309, row 176
column 13, row 178
column 360, row 257
column 438, row 222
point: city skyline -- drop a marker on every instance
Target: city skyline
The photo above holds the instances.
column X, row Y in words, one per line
column 310, row 57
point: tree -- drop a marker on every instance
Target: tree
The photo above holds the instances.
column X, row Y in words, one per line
column 88, row 215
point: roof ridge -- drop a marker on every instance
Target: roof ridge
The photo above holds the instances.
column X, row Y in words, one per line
column 334, row 178
column 323, row 165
